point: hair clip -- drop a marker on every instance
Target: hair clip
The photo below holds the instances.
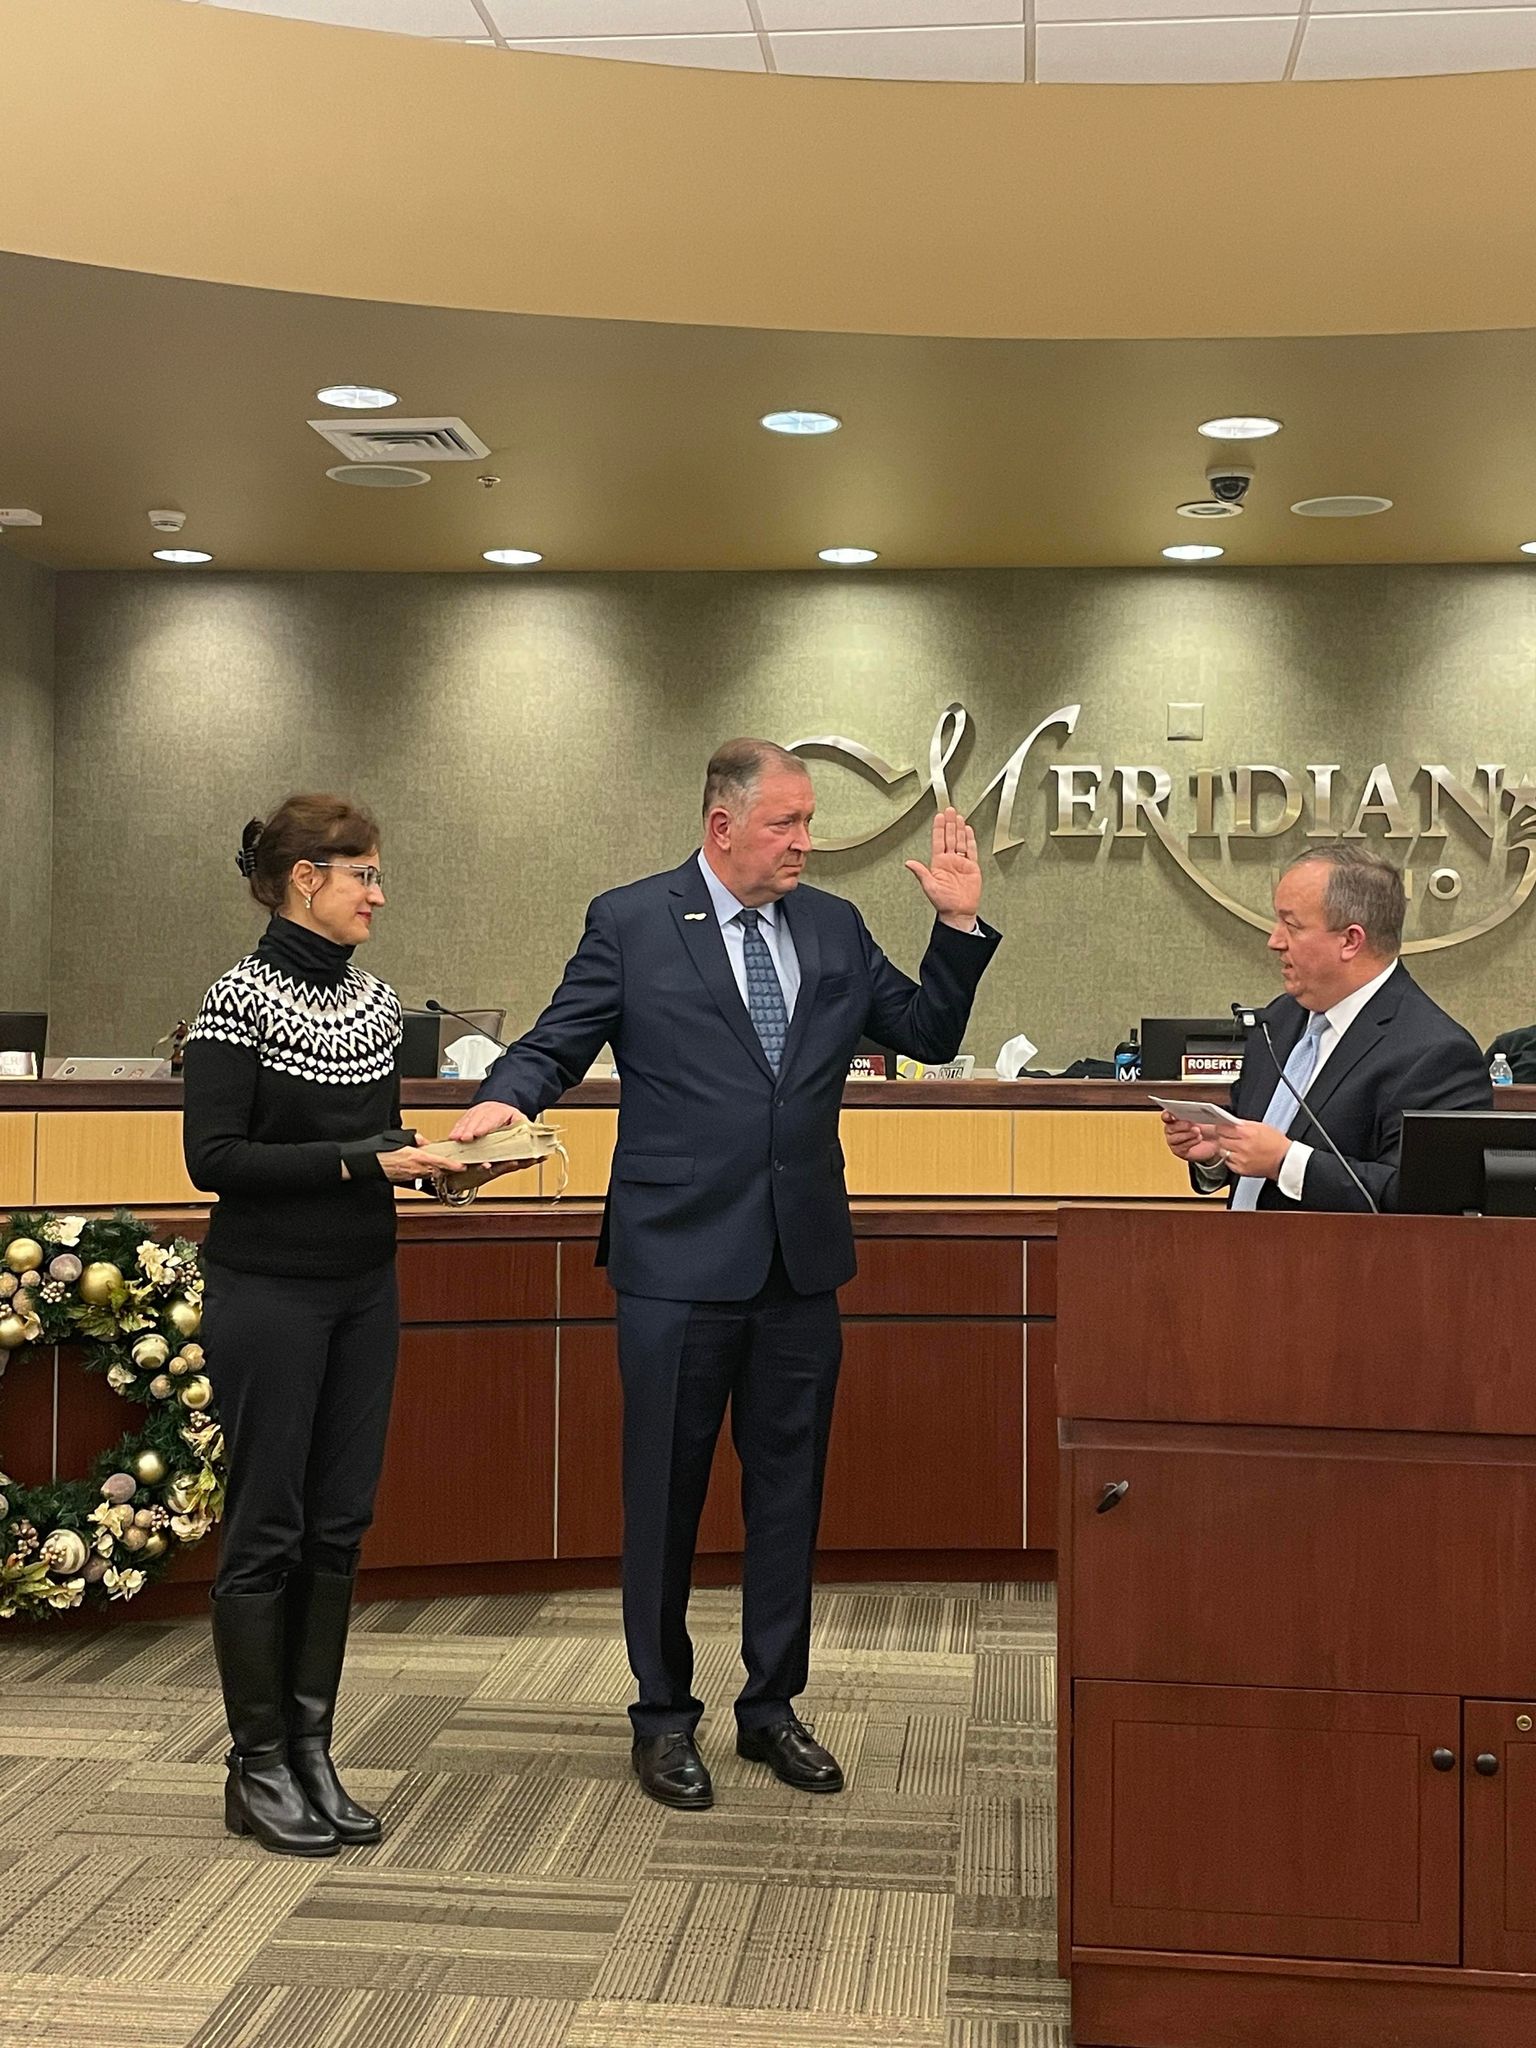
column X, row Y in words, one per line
column 250, row 838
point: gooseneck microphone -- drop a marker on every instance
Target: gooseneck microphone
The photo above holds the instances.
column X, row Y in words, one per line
column 442, row 1010
column 1248, row 1018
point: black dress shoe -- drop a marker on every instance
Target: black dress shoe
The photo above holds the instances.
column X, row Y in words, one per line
column 792, row 1753
column 671, row 1770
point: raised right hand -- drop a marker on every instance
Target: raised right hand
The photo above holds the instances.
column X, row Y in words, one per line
column 1193, row 1143
column 481, row 1118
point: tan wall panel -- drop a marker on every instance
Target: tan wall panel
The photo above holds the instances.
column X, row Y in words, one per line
column 18, row 1136
column 927, row 1151
column 1071, row 1152
column 99, row 1157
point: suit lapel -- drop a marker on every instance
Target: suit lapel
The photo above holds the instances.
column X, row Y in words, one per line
column 706, row 948
column 801, row 925
column 1362, row 1037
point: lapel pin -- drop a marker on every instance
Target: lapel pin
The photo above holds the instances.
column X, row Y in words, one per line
column 694, row 916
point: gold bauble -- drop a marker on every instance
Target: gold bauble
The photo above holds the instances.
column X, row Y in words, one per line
column 156, row 1545
column 192, row 1356
column 134, row 1538
column 23, row 1302
column 32, row 1279
column 197, row 1393
column 8, row 1285
column 150, row 1353
column 64, row 1553
column 99, row 1282
column 160, row 1386
column 13, row 1332
column 185, row 1318
column 23, row 1253
column 150, row 1468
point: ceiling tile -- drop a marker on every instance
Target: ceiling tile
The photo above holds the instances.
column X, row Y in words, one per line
column 404, row 17
column 1417, row 6
column 544, row 20
column 1160, row 10
column 1212, row 52
column 834, row 14
column 1414, row 44
column 701, row 53
column 949, row 53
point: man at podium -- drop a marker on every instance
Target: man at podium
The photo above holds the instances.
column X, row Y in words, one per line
column 1352, row 1043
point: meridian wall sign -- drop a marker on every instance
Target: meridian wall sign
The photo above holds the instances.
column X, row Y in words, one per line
column 1259, row 800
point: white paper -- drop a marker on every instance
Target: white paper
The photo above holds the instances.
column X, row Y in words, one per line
column 1195, row 1112
column 1013, row 1056
column 473, row 1055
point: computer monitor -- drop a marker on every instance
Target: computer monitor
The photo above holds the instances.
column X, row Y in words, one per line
column 1165, row 1041
column 25, row 1031
column 1468, row 1162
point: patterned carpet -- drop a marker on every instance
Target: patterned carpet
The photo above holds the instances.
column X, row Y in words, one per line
column 526, row 1895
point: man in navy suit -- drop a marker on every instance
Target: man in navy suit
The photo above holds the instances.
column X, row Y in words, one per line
column 733, row 997
column 1354, row 1036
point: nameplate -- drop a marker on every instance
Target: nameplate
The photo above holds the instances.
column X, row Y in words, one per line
column 1210, row 1066
column 867, row 1066
column 18, row 1066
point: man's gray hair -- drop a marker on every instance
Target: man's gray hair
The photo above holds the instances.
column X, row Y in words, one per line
column 737, row 768
column 1363, row 889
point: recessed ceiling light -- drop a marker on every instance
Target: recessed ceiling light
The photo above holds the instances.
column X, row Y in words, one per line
column 512, row 558
column 1240, row 427
column 378, row 476
column 356, row 397
column 800, row 422
column 1192, row 551
column 1528, row 547
column 1352, row 505
column 846, row 558
column 183, row 557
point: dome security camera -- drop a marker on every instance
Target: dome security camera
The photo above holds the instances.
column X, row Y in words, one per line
column 1229, row 479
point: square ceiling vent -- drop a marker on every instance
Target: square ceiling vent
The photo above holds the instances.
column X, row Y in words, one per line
column 402, row 440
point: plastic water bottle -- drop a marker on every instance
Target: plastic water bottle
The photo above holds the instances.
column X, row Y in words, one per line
column 449, row 1070
column 1128, row 1058
column 1501, row 1073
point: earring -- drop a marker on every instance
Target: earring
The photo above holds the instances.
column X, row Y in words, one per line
column 309, row 902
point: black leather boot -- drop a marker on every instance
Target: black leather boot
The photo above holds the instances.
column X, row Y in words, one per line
column 262, row 1795
column 319, row 1608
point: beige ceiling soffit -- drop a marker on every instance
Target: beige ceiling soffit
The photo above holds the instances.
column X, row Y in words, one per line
column 211, row 143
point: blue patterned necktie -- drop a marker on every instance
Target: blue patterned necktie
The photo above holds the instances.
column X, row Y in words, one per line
column 765, row 996
column 1283, row 1105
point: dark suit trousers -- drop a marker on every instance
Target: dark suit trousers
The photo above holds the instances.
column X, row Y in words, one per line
column 775, row 1358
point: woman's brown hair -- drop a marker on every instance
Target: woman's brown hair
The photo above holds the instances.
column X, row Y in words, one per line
column 301, row 828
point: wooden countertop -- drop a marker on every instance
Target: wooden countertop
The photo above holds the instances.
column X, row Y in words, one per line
column 108, row 1095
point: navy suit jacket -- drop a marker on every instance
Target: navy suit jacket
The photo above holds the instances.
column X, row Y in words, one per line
column 717, row 1158
column 1402, row 1052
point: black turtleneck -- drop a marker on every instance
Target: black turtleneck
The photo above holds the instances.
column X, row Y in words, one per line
column 291, row 1069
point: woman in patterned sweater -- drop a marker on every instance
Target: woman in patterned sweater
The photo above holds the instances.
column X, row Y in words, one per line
column 291, row 1118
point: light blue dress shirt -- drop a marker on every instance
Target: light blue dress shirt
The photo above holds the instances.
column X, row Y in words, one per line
column 773, row 925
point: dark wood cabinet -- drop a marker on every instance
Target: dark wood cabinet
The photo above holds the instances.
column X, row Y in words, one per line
column 1266, row 1822
column 1500, row 1779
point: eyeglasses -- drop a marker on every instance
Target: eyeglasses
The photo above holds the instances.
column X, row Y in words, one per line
column 370, row 877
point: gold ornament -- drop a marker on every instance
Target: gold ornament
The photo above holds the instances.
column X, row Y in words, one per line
column 23, row 1302
column 145, row 1518
column 23, row 1253
column 13, row 1332
column 64, row 1553
column 99, row 1282
column 156, row 1545
column 185, row 1318
column 192, row 1357
column 150, row 1353
column 32, row 1279
column 134, row 1538
column 197, row 1393
column 149, row 1468
column 8, row 1285
column 160, row 1386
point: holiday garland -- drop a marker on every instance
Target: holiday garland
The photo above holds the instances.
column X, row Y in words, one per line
column 108, row 1287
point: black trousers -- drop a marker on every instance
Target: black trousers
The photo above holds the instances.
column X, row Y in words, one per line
column 775, row 1358
column 303, row 1371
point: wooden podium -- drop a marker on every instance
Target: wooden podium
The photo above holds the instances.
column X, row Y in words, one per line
column 1298, row 1638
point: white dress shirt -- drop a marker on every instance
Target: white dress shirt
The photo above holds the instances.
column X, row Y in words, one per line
column 773, row 925
column 1293, row 1168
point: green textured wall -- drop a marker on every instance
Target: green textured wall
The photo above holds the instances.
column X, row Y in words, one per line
column 26, row 781
column 531, row 740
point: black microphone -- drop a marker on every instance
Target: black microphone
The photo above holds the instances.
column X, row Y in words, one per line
column 1248, row 1018
column 442, row 1010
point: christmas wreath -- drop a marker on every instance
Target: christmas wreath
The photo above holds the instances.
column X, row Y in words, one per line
column 109, row 1288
